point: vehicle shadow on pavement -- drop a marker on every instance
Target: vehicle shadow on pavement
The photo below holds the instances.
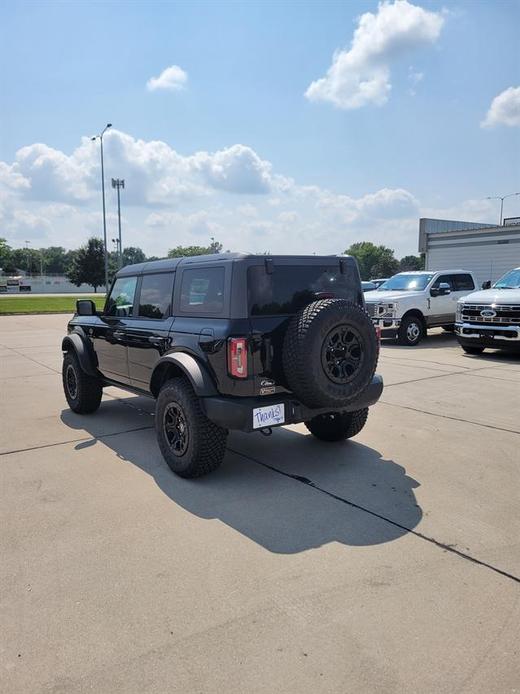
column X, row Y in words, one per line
column 255, row 493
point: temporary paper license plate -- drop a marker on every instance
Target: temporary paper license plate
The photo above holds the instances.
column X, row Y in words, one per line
column 268, row 416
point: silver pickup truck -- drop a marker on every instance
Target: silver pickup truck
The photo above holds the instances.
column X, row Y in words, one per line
column 491, row 317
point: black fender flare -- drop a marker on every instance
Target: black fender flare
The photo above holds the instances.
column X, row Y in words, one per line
column 79, row 345
column 185, row 364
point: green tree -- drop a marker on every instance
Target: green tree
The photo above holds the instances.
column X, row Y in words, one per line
column 183, row 251
column 27, row 260
column 133, row 255
column 373, row 261
column 411, row 262
column 6, row 257
column 55, row 260
column 88, row 265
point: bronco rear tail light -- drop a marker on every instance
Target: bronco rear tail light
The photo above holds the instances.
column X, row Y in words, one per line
column 237, row 357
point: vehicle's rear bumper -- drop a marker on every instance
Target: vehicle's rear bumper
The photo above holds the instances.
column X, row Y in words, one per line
column 237, row 413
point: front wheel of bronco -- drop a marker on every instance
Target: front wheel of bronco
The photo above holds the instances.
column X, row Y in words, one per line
column 83, row 392
column 190, row 443
column 338, row 426
column 411, row 331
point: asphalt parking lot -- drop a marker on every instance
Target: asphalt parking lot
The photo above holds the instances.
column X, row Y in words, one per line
column 386, row 564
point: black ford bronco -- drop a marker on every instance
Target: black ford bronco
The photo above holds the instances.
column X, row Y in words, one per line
column 229, row 341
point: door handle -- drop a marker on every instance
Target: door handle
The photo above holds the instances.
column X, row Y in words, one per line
column 159, row 341
column 118, row 334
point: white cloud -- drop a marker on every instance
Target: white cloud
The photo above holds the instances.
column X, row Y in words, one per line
column 172, row 79
column 172, row 199
column 11, row 178
column 361, row 75
column 504, row 109
column 155, row 174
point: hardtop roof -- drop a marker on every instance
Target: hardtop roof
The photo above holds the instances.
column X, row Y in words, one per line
column 167, row 264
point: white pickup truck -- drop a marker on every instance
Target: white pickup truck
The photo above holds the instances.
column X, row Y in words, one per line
column 491, row 318
column 409, row 303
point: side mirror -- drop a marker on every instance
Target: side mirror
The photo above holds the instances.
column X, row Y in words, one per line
column 486, row 284
column 442, row 290
column 85, row 307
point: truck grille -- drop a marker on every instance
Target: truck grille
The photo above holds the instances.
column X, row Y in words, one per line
column 505, row 315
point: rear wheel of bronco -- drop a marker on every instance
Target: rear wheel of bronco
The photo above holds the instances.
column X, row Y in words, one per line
column 83, row 392
column 337, row 426
column 472, row 350
column 330, row 353
column 411, row 331
column 190, row 443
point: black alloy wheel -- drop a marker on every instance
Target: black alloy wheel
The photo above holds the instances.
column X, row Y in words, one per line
column 342, row 354
column 176, row 428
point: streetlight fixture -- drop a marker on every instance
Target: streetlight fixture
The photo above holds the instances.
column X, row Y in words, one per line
column 501, row 198
column 100, row 136
column 119, row 183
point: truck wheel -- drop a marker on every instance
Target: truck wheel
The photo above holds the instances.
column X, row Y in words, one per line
column 472, row 350
column 83, row 392
column 190, row 443
column 411, row 331
column 337, row 426
column 330, row 353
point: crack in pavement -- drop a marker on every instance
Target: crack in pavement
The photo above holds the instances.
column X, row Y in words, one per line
column 84, row 438
column 445, row 547
column 447, row 416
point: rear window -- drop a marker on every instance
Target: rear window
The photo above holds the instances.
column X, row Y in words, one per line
column 202, row 290
column 156, row 296
column 291, row 287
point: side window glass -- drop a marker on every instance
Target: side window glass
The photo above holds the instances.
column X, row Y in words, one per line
column 156, row 296
column 121, row 300
column 202, row 290
column 464, row 283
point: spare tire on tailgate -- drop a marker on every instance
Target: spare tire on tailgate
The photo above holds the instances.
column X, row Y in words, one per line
column 330, row 353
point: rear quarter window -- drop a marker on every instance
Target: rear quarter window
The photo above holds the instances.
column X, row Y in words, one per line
column 291, row 287
column 202, row 290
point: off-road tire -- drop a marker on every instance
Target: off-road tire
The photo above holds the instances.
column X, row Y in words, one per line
column 411, row 331
column 337, row 426
column 206, row 442
column 469, row 349
column 82, row 391
column 307, row 361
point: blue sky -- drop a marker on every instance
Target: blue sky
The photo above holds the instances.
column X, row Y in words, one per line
column 67, row 68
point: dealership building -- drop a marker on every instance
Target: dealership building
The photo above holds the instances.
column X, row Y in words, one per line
column 489, row 251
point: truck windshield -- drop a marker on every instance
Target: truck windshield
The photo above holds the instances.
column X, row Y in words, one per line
column 406, row 283
column 511, row 280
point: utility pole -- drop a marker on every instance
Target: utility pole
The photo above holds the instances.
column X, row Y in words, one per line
column 100, row 136
column 501, row 198
column 119, row 183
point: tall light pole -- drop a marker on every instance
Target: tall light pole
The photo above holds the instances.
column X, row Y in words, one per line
column 28, row 257
column 119, row 183
column 100, row 136
column 501, row 198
